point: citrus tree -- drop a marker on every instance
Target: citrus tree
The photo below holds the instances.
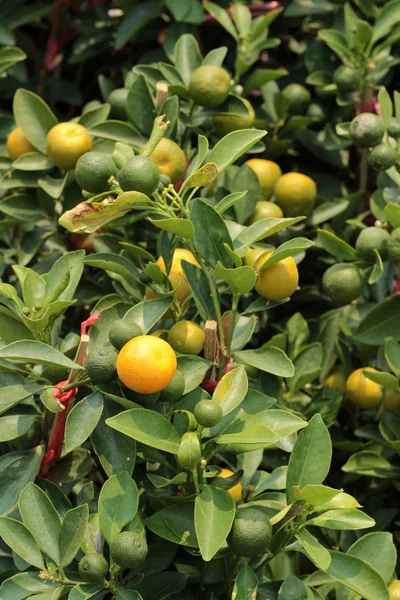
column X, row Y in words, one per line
column 199, row 354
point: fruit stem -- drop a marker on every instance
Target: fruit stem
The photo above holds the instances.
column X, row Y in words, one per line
column 75, row 384
column 363, row 177
column 195, row 476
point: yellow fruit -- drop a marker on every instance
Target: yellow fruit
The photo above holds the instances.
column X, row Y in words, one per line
column 170, row 159
column 66, row 143
column 278, row 281
column 391, row 399
column 17, row 144
column 186, row 337
column 225, row 124
column 394, row 590
column 268, row 173
column 146, row 364
column 361, row 391
column 336, row 380
column 295, row 193
column 265, row 210
column 209, row 85
column 180, row 254
column 237, row 490
column 252, row 255
column 182, row 292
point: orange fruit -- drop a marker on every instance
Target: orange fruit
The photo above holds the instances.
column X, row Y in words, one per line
column 361, row 391
column 278, row 281
column 268, row 173
column 66, row 143
column 237, row 490
column 146, row 364
column 18, row 144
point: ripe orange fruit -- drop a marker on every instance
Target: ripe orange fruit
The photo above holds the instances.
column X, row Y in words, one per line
column 146, row 364
column 268, row 173
column 66, row 142
column 278, row 281
column 361, row 391
column 237, row 490
column 170, row 159
column 295, row 193
column 18, row 144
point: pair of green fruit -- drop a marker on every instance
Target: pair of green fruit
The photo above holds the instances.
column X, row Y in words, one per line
column 128, row 550
column 367, row 131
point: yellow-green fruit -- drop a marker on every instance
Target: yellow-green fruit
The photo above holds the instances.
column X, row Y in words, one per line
column 251, row 256
column 278, row 281
column 343, row 283
column 391, row 399
column 139, row 174
column 186, row 337
column 18, row 144
column 265, row 210
column 361, row 391
column 336, row 380
column 268, row 173
column 393, row 245
column 295, row 193
column 371, row 239
column 93, row 568
column 225, row 124
column 251, row 533
column 170, row 160
column 394, row 590
column 66, row 143
column 209, row 85
column 129, row 549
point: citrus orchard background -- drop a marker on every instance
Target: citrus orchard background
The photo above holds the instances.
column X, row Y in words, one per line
column 199, row 309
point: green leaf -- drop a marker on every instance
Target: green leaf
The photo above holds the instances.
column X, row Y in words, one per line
column 380, row 324
column 118, row 131
column 216, row 56
column 317, row 553
column 262, row 229
column 222, row 17
column 293, row 589
column 135, row 19
column 357, row 575
column 387, row 19
column 392, row 212
column 377, row 269
column 116, row 451
column 146, row 314
column 72, row 533
column 392, row 356
column 9, row 56
column 148, row 427
column 231, row 390
column 187, row 56
column 386, row 380
column 307, row 366
column 113, row 263
column 269, row 359
column 34, row 117
column 140, row 106
column 310, row 460
column 232, row 146
column 182, row 227
column 82, row 420
column 252, row 436
column 385, row 104
column 336, row 246
column 241, row 280
column 27, row 351
column 342, row 520
column 318, row 494
column 22, row 467
column 26, row 584
column 21, row 541
column 118, row 504
column 378, row 550
column 200, row 289
column 32, row 161
column 210, row 233
column 42, row 520
column 193, row 368
column 14, row 426
column 214, row 512
column 226, row 202
column 175, row 523
column 259, row 77
column 286, row 249
column 246, row 583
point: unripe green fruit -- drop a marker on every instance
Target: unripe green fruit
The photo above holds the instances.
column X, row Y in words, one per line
column 367, row 130
column 129, row 549
column 93, row 568
column 346, row 78
column 251, row 532
column 393, row 245
column 122, row 332
column 343, row 283
column 369, row 240
column 208, row 413
column 189, row 453
column 382, row 157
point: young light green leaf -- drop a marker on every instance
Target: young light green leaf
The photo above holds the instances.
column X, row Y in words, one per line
column 343, row 520
column 231, row 390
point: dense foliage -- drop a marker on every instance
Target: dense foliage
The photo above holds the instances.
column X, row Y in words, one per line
column 199, row 300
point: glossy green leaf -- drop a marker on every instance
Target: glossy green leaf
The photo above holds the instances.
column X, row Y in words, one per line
column 21, row 468
column 346, row 519
column 140, row 107
column 118, row 504
column 392, row 356
column 392, row 212
column 246, row 583
column 231, row 390
column 175, row 523
column 241, row 280
column 386, row 380
column 26, row 584
column 82, row 420
column 336, row 246
column 32, row 161
column 286, row 249
column 42, row 520
column 148, row 427
column 193, row 368
column 38, row 353
column 262, row 229
column 232, row 146
column 181, row 227
column 118, row 131
column 210, row 233
column 146, row 314
column 34, row 117
column 200, row 288
column 380, row 324
column 269, row 359
column 310, row 460
column 72, row 533
column 293, row 589
column 14, row 426
column 307, row 366
column 214, row 511
column 316, row 552
column 222, row 17
column 19, row 538
column 187, row 56
column 357, row 575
